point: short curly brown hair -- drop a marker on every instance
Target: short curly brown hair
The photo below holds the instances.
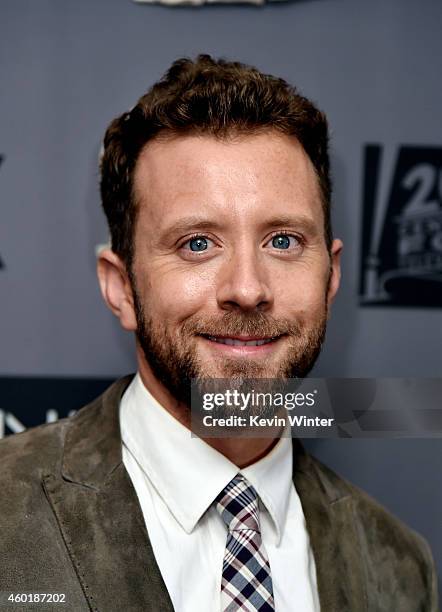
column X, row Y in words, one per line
column 205, row 96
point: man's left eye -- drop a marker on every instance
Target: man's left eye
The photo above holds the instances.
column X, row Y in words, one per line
column 284, row 241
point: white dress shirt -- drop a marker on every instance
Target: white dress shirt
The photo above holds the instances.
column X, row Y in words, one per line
column 177, row 477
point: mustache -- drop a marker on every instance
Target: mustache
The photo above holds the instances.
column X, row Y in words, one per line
column 247, row 324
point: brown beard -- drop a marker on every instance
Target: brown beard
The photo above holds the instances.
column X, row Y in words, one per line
column 174, row 361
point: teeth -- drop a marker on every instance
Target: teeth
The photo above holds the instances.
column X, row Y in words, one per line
column 235, row 342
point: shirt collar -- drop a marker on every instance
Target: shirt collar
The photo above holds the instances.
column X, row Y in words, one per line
column 187, row 473
column 271, row 477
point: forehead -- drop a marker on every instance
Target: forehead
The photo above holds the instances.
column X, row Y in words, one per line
column 238, row 178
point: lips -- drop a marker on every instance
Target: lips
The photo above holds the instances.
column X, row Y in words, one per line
column 240, row 341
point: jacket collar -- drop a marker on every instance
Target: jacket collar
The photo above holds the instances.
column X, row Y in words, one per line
column 92, row 449
column 331, row 522
column 92, row 458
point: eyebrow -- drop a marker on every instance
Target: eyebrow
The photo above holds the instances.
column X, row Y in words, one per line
column 196, row 222
column 307, row 223
column 192, row 223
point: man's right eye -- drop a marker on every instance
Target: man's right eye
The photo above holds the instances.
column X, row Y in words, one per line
column 197, row 244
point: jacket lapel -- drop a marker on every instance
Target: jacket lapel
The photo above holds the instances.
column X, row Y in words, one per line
column 99, row 515
column 331, row 524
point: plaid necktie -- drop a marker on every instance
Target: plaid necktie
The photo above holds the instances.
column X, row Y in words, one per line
column 246, row 581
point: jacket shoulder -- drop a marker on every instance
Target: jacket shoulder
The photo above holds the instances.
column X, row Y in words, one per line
column 393, row 553
column 370, row 512
column 25, row 455
column 372, row 515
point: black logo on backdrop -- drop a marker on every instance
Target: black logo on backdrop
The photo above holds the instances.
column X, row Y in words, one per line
column 27, row 402
column 401, row 259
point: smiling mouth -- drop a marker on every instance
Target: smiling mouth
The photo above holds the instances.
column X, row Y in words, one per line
column 235, row 341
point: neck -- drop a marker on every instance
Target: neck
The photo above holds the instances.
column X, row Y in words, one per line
column 241, row 451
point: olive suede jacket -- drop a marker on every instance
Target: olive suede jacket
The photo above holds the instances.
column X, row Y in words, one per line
column 70, row 523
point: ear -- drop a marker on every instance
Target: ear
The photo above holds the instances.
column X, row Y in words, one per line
column 335, row 272
column 116, row 288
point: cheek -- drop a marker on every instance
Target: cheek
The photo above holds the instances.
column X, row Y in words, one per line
column 302, row 295
column 175, row 297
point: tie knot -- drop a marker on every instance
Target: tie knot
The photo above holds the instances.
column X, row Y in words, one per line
column 238, row 505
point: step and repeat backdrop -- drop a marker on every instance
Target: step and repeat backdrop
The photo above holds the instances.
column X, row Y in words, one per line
column 375, row 67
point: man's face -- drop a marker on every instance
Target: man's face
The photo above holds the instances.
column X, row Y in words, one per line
column 231, row 274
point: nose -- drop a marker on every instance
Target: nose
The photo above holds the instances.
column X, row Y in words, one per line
column 243, row 283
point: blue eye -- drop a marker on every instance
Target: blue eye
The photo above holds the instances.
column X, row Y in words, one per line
column 198, row 244
column 281, row 242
